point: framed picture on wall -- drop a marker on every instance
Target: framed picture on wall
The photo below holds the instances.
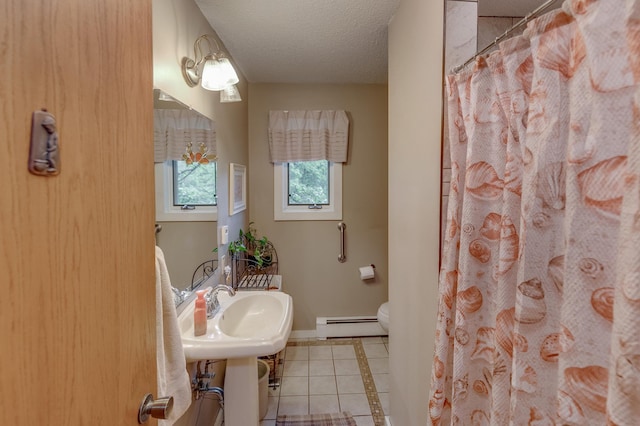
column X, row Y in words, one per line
column 237, row 188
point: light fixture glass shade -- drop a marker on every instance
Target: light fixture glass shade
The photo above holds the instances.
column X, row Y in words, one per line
column 164, row 97
column 218, row 74
column 230, row 94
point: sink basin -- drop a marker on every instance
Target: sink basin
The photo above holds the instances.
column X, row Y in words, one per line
column 252, row 316
column 249, row 324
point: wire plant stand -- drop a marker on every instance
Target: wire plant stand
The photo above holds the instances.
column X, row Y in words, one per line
column 203, row 272
column 252, row 274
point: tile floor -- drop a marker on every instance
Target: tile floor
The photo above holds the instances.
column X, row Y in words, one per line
column 333, row 375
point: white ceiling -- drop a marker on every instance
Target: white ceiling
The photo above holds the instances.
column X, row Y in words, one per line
column 317, row 41
column 304, row 41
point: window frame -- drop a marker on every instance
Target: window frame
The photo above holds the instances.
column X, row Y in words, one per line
column 282, row 211
column 166, row 211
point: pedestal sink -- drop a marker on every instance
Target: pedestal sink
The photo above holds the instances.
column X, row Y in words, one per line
column 248, row 325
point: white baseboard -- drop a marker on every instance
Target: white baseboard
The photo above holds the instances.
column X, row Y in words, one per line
column 348, row 327
column 341, row 327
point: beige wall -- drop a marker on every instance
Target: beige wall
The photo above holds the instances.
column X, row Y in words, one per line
column 308, row 250
column 176, row 25
column 415, row 116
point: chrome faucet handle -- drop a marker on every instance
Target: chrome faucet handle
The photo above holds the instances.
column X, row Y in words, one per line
column 178, row 296
column 213, row 304
column 222, row 287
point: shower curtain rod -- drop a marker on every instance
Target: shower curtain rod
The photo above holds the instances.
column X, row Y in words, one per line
column 544, row 6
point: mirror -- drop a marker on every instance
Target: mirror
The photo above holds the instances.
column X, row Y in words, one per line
column 186, row 198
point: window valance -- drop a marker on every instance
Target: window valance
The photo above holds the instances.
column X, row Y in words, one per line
column 308, row 136
column 175, row 128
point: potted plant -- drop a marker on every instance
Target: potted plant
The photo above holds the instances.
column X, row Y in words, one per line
column 262, row 252
column 258, row 249
column 236, row 247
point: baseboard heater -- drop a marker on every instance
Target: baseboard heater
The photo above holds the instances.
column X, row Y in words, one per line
column 348, row 327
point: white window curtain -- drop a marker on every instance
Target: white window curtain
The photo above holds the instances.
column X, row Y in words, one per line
column 175, row 128
column 308, row 136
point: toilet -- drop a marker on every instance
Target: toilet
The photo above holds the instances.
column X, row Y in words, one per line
column 383, row 316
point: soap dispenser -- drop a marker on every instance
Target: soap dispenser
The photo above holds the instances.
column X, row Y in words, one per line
column 200, row 314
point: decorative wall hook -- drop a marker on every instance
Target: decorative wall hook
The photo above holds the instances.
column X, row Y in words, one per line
column 44, row 154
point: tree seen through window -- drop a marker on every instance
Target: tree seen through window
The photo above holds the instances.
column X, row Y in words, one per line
column 308, row 182
column 194, row 184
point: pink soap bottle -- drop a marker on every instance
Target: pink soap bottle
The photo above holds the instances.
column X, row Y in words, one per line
column 200, row 314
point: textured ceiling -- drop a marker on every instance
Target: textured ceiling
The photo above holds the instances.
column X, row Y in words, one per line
column 304, row 41
column 317, row 41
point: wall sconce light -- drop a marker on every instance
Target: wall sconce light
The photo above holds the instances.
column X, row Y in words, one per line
column 230, row 94
column 217, row 72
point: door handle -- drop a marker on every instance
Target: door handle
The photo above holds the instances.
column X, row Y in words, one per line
column 158, row 409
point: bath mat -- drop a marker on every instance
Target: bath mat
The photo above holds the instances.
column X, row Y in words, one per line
column 333, row 419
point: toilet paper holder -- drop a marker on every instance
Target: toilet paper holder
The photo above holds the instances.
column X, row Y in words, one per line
column 367, row 272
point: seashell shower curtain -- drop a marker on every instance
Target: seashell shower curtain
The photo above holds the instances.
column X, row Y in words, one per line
column 539, row 311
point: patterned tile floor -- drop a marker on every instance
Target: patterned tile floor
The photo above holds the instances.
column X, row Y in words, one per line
column 333, row 375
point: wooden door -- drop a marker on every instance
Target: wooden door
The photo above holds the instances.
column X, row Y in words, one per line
column 77, row 308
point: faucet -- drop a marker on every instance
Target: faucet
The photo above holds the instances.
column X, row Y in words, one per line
column 213, row 305
column 179, row 296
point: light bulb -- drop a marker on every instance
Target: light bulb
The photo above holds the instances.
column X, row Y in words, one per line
column 218, row 74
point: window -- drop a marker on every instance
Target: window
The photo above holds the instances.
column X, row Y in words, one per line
column 194, row 184
column 186, row 192
column 308, row 183
column 308, row 190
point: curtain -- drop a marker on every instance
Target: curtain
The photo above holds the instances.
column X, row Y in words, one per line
column 174, row 129
column 308, row 136
column 539, row 289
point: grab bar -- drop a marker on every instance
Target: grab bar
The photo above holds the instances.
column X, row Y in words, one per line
column 342, row 257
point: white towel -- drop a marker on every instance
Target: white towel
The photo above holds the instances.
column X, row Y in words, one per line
column 173, row 378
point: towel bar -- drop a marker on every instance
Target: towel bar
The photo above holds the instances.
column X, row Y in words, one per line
column 342, row 257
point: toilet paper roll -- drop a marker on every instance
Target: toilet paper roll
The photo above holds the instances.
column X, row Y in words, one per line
column 367, row 272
